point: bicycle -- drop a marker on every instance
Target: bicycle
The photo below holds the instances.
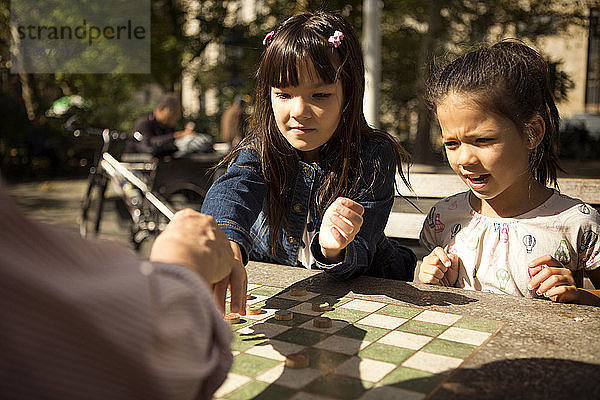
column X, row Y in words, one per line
column 151, row 189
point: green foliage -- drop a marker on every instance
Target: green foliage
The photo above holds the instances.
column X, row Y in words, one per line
column 184, row 32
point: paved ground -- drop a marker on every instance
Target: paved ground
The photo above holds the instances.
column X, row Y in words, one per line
column 58, row 202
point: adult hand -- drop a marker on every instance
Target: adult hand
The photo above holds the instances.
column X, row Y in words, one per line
column 341, row 223
column 439, row 268
column 237, row 282
column 194, row 240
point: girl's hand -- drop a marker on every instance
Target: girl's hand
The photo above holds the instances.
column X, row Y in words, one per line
column 237, row 282
column 439, row 268
column 551, row 279
column 341, row 223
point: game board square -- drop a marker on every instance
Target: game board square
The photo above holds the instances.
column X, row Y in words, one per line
column 275, row 349
column 338, row 386
column 264, row 314
column 433, row 363
column 449, row 348
column 404, row 339
column 308, row 396
column 277, row 303
column 399, row 311
column 250, row 365
column 298, row 319
column 289, row 377
column 324, row 360
column 363, row 305
column 363, row 332
column 256, row 390
column 274, row 392
column 265, row 329
column 247, row 391
column 467, row 336
column 244, row 322
column 478, row 324
column 413, row 380
column 365, row 369
column 243, row 341
column 256, row 299
column 324, row 298
column 232, row 382
column 305, row 308
column 345, row 314
column 336, row 325
column 267, row 291
column 343, row 300
column 437, row 317
column 422, row 328
column 301, row 336
column 385, row 352
column 288, row 296
column 391, row 393
column 382, row 321
column 341, row 344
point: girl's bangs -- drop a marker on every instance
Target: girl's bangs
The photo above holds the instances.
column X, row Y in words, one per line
column 285, row 58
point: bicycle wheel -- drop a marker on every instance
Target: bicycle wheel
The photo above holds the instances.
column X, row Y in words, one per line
column 91, row 206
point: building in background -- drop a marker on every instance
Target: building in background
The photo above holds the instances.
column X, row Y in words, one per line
column 579, row 51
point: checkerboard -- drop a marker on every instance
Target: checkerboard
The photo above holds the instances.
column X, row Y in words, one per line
column 373, row 350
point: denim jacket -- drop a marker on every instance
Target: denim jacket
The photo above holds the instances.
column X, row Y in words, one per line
column 236, row 200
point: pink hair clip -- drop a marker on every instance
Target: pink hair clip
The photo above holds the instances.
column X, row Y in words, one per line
column 336, row 38
column 267, row 37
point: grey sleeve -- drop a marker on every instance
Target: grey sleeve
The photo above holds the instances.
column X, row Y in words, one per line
column 192, row 342
column 81, row 319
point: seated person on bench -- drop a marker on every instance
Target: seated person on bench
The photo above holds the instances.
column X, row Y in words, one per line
column 158, row 134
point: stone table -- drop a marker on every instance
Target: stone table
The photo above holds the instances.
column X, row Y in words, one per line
column 544, row 350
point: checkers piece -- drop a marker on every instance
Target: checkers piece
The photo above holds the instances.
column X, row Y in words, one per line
column 254, row 310
column 299, row 291
column 322, row 322
column 321, row 307
column 232, row 318
column 284, row 315
column 297, row 360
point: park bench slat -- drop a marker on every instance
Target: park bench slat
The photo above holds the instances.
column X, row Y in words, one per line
column 444, row 185
column 404, row 225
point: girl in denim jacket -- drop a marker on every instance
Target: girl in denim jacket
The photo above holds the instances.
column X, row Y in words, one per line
column 311, row 185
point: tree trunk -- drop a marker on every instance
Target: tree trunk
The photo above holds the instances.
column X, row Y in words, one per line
column 26, row 89
column 27, row 95
column 423, row 153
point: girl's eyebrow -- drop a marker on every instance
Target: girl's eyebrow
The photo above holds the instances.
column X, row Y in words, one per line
column 312, row 86
column 470, row 131
column 321, row 84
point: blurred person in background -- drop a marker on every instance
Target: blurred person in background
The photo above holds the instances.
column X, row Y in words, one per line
column 157, row 133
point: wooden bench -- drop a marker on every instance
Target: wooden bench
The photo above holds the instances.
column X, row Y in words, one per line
column 405, row 221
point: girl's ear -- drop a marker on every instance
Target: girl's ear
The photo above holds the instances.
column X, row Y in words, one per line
column 536, row 128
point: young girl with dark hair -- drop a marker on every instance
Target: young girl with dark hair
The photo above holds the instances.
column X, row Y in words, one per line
column 311, row 185
column 509, row 233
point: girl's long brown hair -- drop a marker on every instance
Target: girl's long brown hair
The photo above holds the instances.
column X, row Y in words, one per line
column 300, row 39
